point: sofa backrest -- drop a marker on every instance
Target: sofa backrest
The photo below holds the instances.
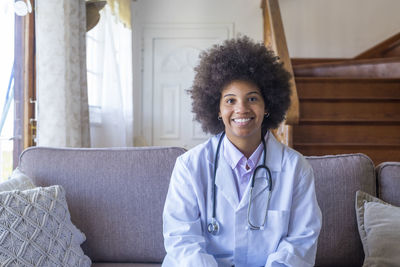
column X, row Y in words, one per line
column 388, row 174
column 337, row 178
column 115, row 196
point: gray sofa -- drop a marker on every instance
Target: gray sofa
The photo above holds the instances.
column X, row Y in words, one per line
column 116, row 197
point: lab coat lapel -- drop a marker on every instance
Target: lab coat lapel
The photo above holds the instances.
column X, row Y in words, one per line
column 273, row 161
column 274, row 153
column 225, row 183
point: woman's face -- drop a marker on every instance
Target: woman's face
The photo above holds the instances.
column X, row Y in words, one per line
column 242, row 109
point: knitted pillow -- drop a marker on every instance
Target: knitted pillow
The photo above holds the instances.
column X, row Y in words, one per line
column 36, row 229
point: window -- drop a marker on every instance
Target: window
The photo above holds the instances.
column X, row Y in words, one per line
column 95, row 63
column 17, row 87
column 6, row 87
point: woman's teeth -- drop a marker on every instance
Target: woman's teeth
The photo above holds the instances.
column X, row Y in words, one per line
column 242, row 120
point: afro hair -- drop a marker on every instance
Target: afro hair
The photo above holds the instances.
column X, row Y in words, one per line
column 239, row 59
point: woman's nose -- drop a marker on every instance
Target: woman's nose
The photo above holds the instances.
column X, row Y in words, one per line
column 241, row 107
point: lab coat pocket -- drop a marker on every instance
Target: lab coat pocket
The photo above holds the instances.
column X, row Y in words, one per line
column 265, row 241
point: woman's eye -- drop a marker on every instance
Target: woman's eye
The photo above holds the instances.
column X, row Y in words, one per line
column 230, row 101
column 252, row 99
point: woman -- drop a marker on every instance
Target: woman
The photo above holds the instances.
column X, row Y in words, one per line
column 212, row 217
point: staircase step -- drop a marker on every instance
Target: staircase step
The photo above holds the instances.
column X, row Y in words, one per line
column 369, row 134
column 313, row 111
column 378, row 154
column 366, row 68
column 347, row 88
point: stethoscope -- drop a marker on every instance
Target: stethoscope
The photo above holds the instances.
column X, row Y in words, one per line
column 213, row 227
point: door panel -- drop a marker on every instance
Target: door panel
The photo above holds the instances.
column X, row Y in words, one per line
column 170, row 55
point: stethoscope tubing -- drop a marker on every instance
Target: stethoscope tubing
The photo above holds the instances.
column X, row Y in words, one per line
column 213, row 226
column 215, row 174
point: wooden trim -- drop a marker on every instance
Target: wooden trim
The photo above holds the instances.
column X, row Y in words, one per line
column 381, row 49
column 304, row 61
column 30, row 78
column 24, row 81
column 274, row 37
column 361, row 68
column 347, row 62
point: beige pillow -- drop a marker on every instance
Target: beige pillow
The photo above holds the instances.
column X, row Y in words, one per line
column 17, row 181
column 379, row 228
column 36, row 229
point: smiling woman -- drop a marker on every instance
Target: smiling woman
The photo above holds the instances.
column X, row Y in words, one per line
column 244, row 198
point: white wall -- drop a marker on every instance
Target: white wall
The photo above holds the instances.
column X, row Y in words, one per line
column 337, row 28
column 246, row 14
column 314, row 28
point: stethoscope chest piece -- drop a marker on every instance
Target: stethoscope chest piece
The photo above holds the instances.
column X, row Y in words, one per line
column 213, row 227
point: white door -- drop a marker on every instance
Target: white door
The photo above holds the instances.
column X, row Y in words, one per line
column 170, row 55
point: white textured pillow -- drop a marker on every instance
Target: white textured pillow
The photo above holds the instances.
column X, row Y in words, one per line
column 17, row 181
column 36, row 229
column 379, row 228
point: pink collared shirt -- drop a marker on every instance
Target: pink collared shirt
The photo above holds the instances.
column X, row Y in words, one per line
column 238, row 163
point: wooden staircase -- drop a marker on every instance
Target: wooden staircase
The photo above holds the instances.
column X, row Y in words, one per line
column 350, row 106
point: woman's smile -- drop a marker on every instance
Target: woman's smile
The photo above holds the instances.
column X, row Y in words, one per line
column 242, row 121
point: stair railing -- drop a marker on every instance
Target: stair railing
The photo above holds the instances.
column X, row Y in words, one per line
column 274, row 38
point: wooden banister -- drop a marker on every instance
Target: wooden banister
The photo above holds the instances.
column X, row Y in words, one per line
column 274, row 38
column 388, row 48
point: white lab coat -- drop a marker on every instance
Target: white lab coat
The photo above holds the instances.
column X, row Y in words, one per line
column 293, row 221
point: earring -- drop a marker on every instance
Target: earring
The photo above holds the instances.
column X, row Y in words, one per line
column 219, row 118
column 266, row 114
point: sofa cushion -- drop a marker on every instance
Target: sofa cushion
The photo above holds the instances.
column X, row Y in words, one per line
column 388, row 174
column 379, row 228
column 116, row 196
column 36, row 230
column 337, row 178
column 17, row 181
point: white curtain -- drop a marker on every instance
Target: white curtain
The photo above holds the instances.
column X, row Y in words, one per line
column 109, row 60
column 63, row 118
